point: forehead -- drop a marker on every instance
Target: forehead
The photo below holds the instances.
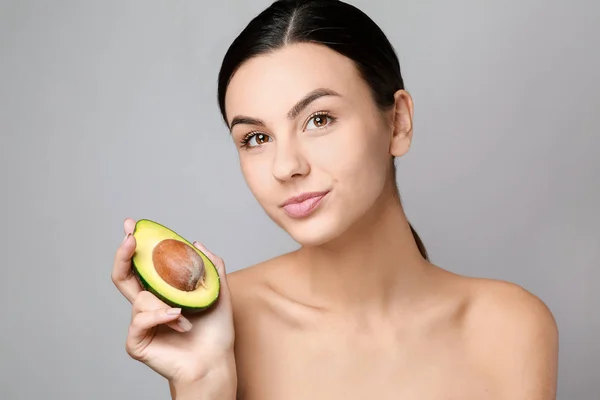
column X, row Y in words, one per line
column 266, row 86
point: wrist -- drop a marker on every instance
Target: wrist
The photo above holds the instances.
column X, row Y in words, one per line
column 219, row 382
column 204, row 390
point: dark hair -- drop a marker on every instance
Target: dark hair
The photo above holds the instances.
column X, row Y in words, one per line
column 332, row 23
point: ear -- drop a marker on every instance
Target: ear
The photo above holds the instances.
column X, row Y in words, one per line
column 402, row 123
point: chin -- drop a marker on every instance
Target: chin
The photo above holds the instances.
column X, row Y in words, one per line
column 312, row 238
column 315, row 230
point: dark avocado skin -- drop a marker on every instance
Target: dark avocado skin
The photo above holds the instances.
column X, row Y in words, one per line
column 146, row 286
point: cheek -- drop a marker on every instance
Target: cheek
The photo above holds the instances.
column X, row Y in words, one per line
column 355, row 156
column 256, row 172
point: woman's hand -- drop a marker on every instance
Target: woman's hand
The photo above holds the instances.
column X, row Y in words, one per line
column 183, row 350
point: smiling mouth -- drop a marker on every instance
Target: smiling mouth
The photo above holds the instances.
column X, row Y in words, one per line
column 303, row 205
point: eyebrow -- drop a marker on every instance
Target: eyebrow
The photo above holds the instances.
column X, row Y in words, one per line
column 294, row 111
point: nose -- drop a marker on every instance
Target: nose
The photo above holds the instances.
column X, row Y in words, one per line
column 289, row 162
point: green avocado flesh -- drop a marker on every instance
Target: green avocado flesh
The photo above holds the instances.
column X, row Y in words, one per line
column 173, row 269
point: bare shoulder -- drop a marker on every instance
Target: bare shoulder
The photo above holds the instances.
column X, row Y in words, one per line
column 251, row 286
column 492, row 300
column 507, row 309
column 513, row 337
column 247, row 281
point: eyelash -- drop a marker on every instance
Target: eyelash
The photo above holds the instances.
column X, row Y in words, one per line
column 250, row 135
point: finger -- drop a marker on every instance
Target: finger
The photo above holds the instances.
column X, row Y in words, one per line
column 220, row 264
column 141, row 325
column 147, row 301
column 122, row 275
column 215, row 259
column 128, row 225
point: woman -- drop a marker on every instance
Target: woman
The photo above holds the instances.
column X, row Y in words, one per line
column 314, row 99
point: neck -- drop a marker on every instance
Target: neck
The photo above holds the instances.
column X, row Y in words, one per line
column 374, row 264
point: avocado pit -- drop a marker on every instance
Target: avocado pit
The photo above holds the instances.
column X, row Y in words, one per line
column 178, row 264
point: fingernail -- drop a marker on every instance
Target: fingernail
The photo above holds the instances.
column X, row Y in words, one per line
column 174, row 311
column 126, row 237
column 184, row 324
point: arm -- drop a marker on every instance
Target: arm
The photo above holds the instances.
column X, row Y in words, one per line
column 529, row 366
column 218, row 384
column 203, row 391
column 518, row 344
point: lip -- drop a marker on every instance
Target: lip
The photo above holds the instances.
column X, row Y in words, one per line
column 303, row 197
column 304, row 204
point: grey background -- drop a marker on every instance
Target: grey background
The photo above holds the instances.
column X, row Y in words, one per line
column 108, row 109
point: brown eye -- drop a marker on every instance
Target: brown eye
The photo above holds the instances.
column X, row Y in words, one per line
column 254, row 139
column 319, row 121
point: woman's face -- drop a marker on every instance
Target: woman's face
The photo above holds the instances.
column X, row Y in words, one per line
column 305, row 123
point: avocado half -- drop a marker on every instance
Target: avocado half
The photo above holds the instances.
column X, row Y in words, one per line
column 173, row 269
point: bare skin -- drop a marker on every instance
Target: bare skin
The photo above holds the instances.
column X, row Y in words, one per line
column 356, row 312
column 448, row 337
column 402, row 329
